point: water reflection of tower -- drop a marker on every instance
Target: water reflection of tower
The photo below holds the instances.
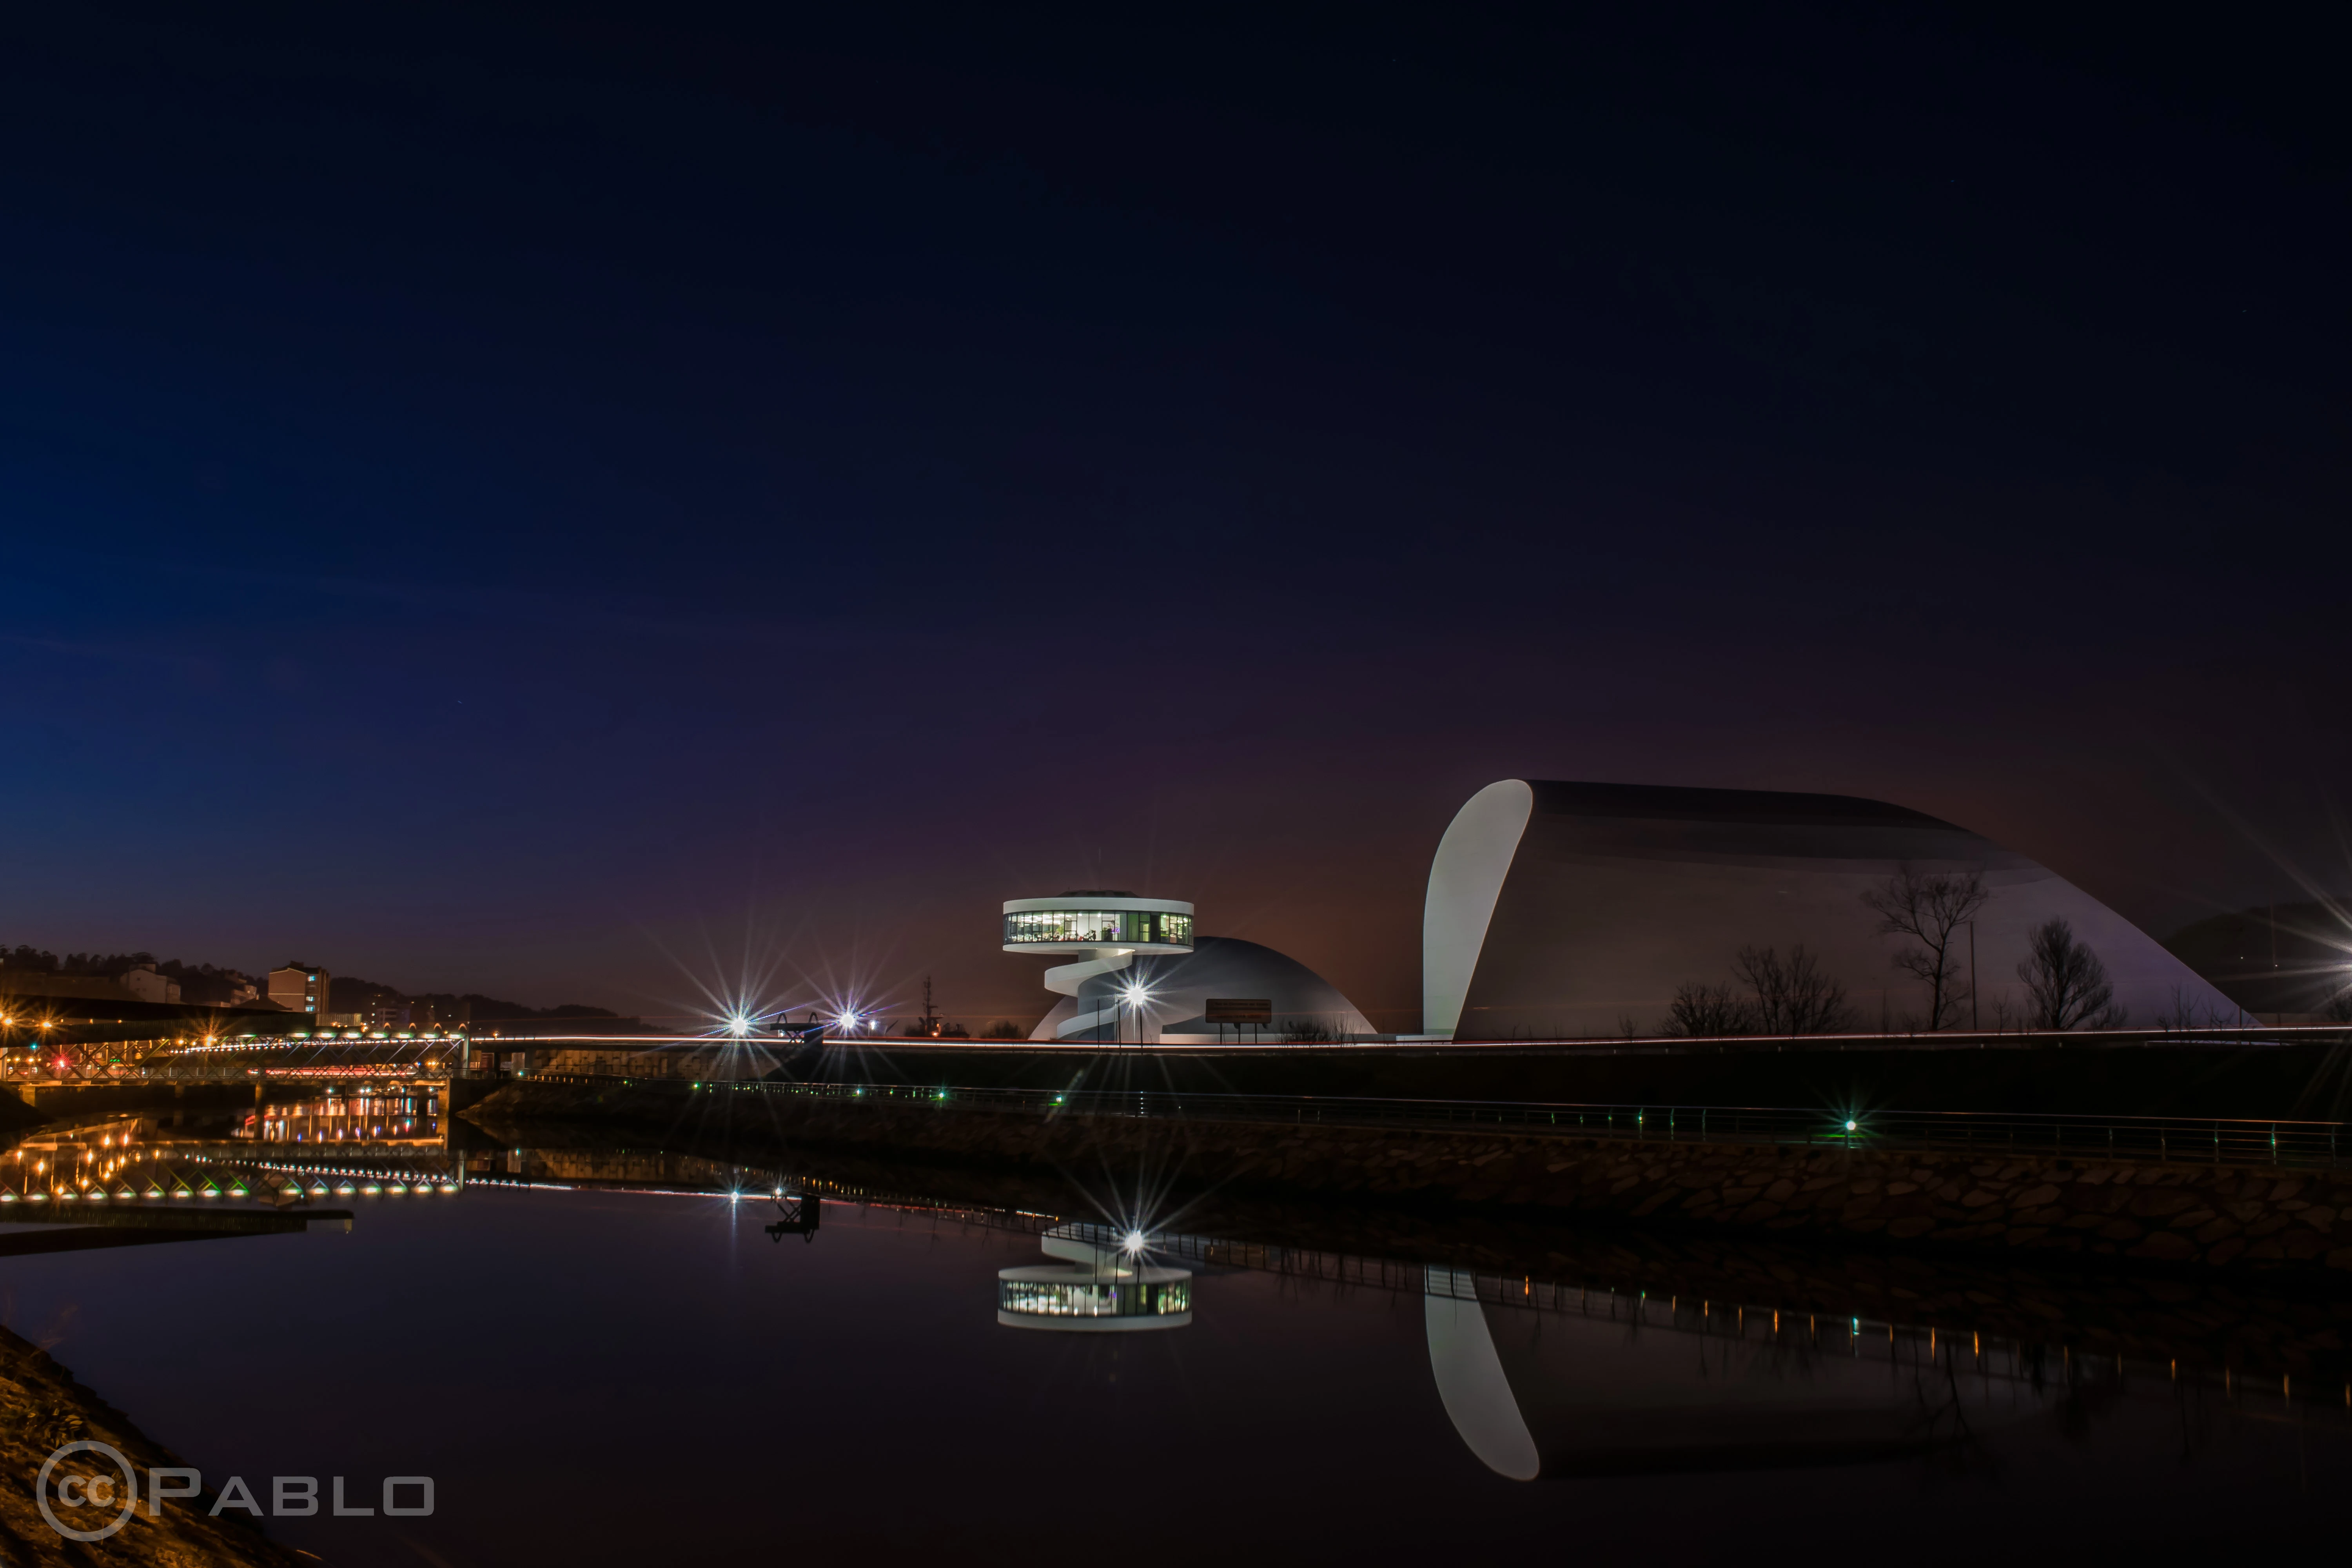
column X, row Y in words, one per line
column 1106, row 1283
column 1106, row 929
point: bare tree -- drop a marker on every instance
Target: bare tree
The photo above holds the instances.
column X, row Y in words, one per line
column 1767, row 979
column 1929, row 909
column 1792, row 996
column 1707, row 1010
column 2066, row 981
column 2182, row 1018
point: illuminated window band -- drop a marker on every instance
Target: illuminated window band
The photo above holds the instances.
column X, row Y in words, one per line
column 1124, row 927
column 1057, row 1296
column 1098, row 920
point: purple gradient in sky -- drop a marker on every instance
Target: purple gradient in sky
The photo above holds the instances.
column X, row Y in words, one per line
column 578, row 513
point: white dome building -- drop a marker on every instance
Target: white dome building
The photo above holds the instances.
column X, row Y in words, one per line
column 1142, row 978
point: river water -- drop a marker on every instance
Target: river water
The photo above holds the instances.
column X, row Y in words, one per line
column 602, row 1357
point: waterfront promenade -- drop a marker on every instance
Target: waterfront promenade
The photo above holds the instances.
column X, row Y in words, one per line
column 2205, row 1192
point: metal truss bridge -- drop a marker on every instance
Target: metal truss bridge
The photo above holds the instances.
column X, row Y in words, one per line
column 206, row 1059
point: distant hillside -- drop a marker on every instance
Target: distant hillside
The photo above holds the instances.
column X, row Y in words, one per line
column 37, row 970
column 2293, row 958
column 348, row 994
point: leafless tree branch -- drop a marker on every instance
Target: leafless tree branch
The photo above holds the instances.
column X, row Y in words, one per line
column 1792, row 996
column 1928, row 909
column 2068, row 983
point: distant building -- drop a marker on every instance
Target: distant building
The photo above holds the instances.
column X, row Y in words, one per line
column 40, row 982
column 223, row 988
column 141, row 981
column 299, row 988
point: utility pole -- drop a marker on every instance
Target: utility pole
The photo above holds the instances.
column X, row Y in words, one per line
column 930, row 1014
column 1975, row 1021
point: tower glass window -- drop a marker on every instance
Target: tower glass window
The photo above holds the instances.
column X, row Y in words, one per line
column 1079, row 925
column 1102, row 922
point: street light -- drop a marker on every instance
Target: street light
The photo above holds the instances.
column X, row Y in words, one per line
column 1132, row 997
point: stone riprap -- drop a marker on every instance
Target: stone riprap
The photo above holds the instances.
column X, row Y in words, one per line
column 43, row 1406
column 2177, row 1212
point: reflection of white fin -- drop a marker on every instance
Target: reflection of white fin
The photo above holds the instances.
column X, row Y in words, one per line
column 1470, row 1381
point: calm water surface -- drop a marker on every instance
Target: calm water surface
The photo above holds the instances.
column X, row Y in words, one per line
column 623, row 1376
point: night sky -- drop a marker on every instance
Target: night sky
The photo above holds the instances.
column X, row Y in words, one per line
column 591, row 510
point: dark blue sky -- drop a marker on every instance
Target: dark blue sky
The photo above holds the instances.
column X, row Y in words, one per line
column 540, row 507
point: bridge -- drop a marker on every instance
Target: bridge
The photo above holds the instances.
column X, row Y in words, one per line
column 209, row 1058
column 408, row 1056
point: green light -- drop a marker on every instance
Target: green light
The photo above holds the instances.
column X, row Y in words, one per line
column 1849, row 1126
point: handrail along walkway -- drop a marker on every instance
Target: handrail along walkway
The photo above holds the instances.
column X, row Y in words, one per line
column 2165, row 1139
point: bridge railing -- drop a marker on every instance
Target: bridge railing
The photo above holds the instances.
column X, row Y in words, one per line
column 2166, row 1139
column 179, row 1059
column 122, row 1064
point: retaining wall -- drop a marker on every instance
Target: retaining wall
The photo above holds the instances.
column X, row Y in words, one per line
column 2178, row 1213
column 2297, row 1079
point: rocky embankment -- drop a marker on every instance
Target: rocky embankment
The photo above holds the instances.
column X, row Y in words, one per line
column 2177, row 1213
column 42, row 1407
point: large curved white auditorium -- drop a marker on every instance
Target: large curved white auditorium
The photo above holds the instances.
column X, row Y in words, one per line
column 1575, row 910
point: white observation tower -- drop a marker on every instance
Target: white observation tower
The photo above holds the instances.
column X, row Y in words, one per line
column 1105, row 930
